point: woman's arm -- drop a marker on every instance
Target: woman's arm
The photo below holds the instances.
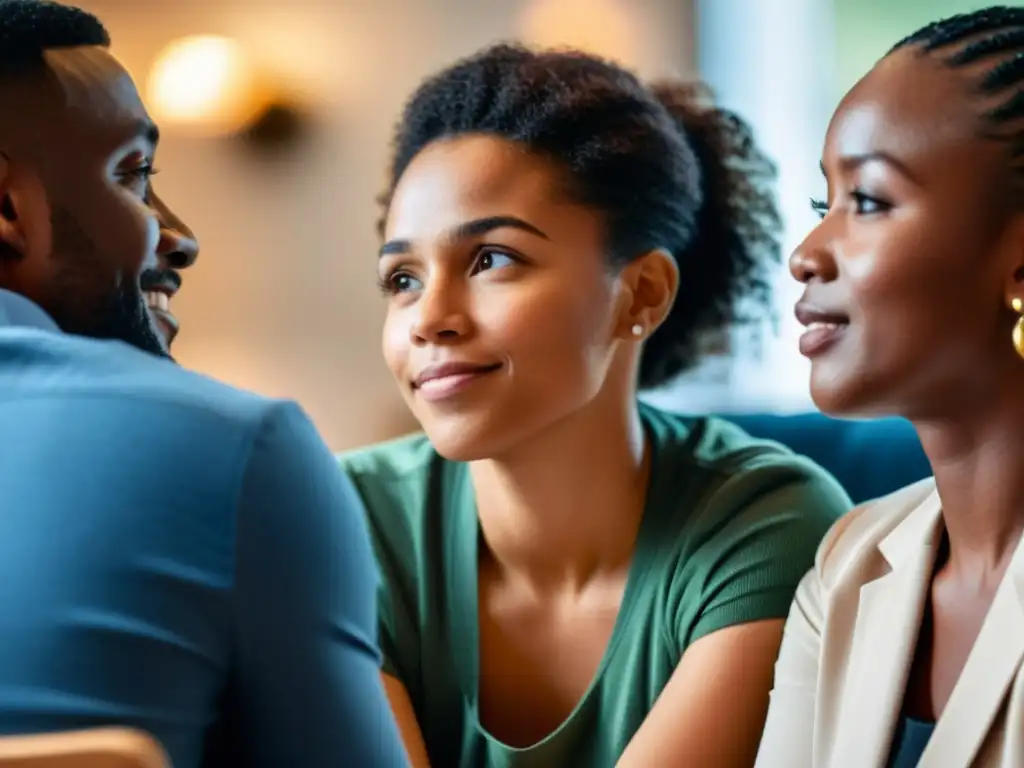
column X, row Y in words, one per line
column 392, row 519
column 713, row 709
column 405, row 716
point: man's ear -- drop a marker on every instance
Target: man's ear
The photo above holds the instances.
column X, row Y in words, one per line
column 14, row 198
column 651, row 282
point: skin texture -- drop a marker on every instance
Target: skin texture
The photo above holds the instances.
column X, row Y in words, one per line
column 81, row 226
column 552, row 436
column 923, row 253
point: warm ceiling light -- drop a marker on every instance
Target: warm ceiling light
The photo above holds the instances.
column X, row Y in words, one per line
column 206, row 84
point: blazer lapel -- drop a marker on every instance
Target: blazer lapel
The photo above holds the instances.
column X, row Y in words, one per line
column 889, row 614
column 991, row 667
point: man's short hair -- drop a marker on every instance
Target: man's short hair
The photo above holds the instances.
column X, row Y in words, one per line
column 28, row 28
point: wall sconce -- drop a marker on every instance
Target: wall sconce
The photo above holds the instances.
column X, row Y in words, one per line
column 207, row 85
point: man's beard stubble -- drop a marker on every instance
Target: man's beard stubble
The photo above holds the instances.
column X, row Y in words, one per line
column 88, row 300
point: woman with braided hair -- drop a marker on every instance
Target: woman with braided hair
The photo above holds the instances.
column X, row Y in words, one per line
column 570, row 578
column 905, row 642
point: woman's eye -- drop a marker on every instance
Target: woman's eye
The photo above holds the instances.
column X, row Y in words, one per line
column 867, row 205
column 400, row 282
column 404, row 283
column 494, row 260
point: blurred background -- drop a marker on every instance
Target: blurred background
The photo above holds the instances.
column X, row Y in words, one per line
column 283, row 299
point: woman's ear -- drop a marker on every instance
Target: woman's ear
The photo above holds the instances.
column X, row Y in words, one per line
column 1014, row 288
column 651, row 282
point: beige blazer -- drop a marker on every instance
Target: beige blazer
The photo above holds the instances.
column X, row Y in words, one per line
column 850, row 638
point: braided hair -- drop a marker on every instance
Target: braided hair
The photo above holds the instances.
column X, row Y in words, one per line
column 665, row 167
column 993, row 37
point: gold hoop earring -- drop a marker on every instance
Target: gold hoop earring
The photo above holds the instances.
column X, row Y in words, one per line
column 1018, row 327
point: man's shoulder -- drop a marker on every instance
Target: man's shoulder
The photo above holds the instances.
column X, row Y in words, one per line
column 164, row 383
column 152, row 415
column 41, row 365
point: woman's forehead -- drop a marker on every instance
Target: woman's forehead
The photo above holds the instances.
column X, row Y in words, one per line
column 913, row 108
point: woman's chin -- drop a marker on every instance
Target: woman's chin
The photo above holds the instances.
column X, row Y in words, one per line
column 471, row 437
column 834, row 394
column 847, row 397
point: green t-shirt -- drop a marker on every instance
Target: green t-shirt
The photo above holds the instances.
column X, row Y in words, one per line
column 730, row 527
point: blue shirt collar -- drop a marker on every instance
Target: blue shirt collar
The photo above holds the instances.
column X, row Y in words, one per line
column 16, row 310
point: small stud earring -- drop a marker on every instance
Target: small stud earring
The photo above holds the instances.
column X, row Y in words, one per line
column 638, row 330
column 1018, row 328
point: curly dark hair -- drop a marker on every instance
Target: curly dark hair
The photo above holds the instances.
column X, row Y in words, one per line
column 995, row 36
column 665, row 167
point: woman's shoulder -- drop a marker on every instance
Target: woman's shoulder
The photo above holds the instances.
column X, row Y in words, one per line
column 390, row 460
column 724, row 453
column 745, row 518
column 397, row 479
column 860, row 532
column 409, row 492
column 720, row 490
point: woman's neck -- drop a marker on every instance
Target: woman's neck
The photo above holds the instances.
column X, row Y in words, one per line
column 566, row 507
column 978, row 460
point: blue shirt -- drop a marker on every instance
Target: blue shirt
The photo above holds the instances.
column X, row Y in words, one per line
column 909, row 742
column 181, row 557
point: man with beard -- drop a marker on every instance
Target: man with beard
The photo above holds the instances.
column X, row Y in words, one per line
column 175, row 555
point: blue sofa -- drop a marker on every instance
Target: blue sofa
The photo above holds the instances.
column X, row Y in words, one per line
column 869, row 458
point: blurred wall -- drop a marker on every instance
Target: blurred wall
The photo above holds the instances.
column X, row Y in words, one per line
column 773, row 62
column 283, row 299
column 869, row 28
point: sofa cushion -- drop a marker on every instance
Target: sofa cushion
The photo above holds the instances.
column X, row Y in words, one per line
column 870, row 458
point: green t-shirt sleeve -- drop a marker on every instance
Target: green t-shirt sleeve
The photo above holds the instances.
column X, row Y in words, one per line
column 393, row 616
column 775, row 516
column 394, row 546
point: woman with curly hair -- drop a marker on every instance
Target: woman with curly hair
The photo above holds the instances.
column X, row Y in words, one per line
column 570, row 577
